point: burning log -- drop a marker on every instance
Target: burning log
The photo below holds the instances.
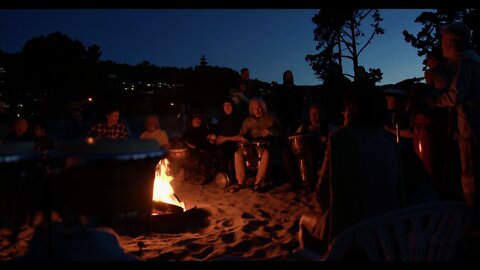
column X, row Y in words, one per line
column 164, row 198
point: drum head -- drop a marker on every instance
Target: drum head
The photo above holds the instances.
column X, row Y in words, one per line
column 222, row 180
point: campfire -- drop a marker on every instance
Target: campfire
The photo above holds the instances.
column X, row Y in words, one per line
column 164, row 198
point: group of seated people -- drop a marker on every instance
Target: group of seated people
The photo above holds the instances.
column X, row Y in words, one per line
column 239, row 144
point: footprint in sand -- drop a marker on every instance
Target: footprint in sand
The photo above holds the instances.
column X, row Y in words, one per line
column 247, row 216
column 294, row 228
column 227, row 223
column 290, row 245
column 185, row 241
column 259, row 254
column 243, row 246
column 253, row 225
column 228, row 238
column 260, row 241
column 194, row 247
column 271, row 229
column 264, row 213
column 204, row 253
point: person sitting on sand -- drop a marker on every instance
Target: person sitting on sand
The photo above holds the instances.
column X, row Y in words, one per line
column 258, row 126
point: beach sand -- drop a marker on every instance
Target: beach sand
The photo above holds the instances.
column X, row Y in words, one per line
column 217, row 225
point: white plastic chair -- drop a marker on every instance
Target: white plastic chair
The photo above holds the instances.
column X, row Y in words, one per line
column 428, row 232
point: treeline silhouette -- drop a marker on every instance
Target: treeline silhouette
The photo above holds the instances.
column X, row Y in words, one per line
column 53, row 72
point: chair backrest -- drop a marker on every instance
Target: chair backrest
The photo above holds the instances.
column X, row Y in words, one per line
column 428, row 232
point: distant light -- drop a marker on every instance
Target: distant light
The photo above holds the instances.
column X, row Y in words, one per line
column 18, row 115
column 171, row 103
column 90, row 99
column 20, row 105
column 90, row 140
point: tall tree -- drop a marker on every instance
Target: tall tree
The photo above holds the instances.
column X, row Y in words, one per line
column 338, row 36
column 429, row 36
column 203, row 61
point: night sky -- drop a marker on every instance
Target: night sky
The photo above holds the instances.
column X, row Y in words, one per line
column 267, row 41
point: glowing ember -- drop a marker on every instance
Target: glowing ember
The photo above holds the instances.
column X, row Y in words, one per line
column 162, row 190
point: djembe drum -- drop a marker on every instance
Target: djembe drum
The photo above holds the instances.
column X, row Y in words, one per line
column 260, row 146
column 297, row 145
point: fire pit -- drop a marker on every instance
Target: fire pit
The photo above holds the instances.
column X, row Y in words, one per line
column 108, row 178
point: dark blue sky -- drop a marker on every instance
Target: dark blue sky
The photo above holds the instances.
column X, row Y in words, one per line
column 267, row 41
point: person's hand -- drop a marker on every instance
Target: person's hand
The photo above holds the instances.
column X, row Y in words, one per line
column 220, row 139
column 211, row 138
column 265, row 132
column 241, row 139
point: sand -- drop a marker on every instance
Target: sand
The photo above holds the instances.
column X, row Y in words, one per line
column 218, row 225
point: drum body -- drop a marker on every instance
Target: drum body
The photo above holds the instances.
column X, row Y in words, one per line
column 179, row 155
column 109, row 178
column 21, row 182
column 252, row 152
column 297, row 145
column 260, row 146
column 222, row 180
column 246, row 150
column 430, row 140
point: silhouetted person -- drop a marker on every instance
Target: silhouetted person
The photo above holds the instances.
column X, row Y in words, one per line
column 250, row 89
column 289, row 104
column 199, row 148
column 362, row 175
column 443, row 161
column 362, row 80
column 463, row 94
column 228, row 128
column 42, row 141
column 335, row 85
column 76, row 128
column 19, row 131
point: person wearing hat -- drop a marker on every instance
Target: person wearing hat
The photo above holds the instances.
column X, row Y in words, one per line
column 463, row 94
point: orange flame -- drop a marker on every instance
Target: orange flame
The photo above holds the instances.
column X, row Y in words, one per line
column 162, row 190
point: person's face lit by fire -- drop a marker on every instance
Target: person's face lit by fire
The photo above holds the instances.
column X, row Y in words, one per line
column 196, row 122
column 257, row 110
column 152, row 124
column 112, row 118
column 227, row 108
column 314, row 116
column 21, row 126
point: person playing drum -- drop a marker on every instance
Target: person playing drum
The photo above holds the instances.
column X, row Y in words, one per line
column 258, row 126
column 316, row 134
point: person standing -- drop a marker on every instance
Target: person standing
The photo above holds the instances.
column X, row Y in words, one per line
column 463, row 94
